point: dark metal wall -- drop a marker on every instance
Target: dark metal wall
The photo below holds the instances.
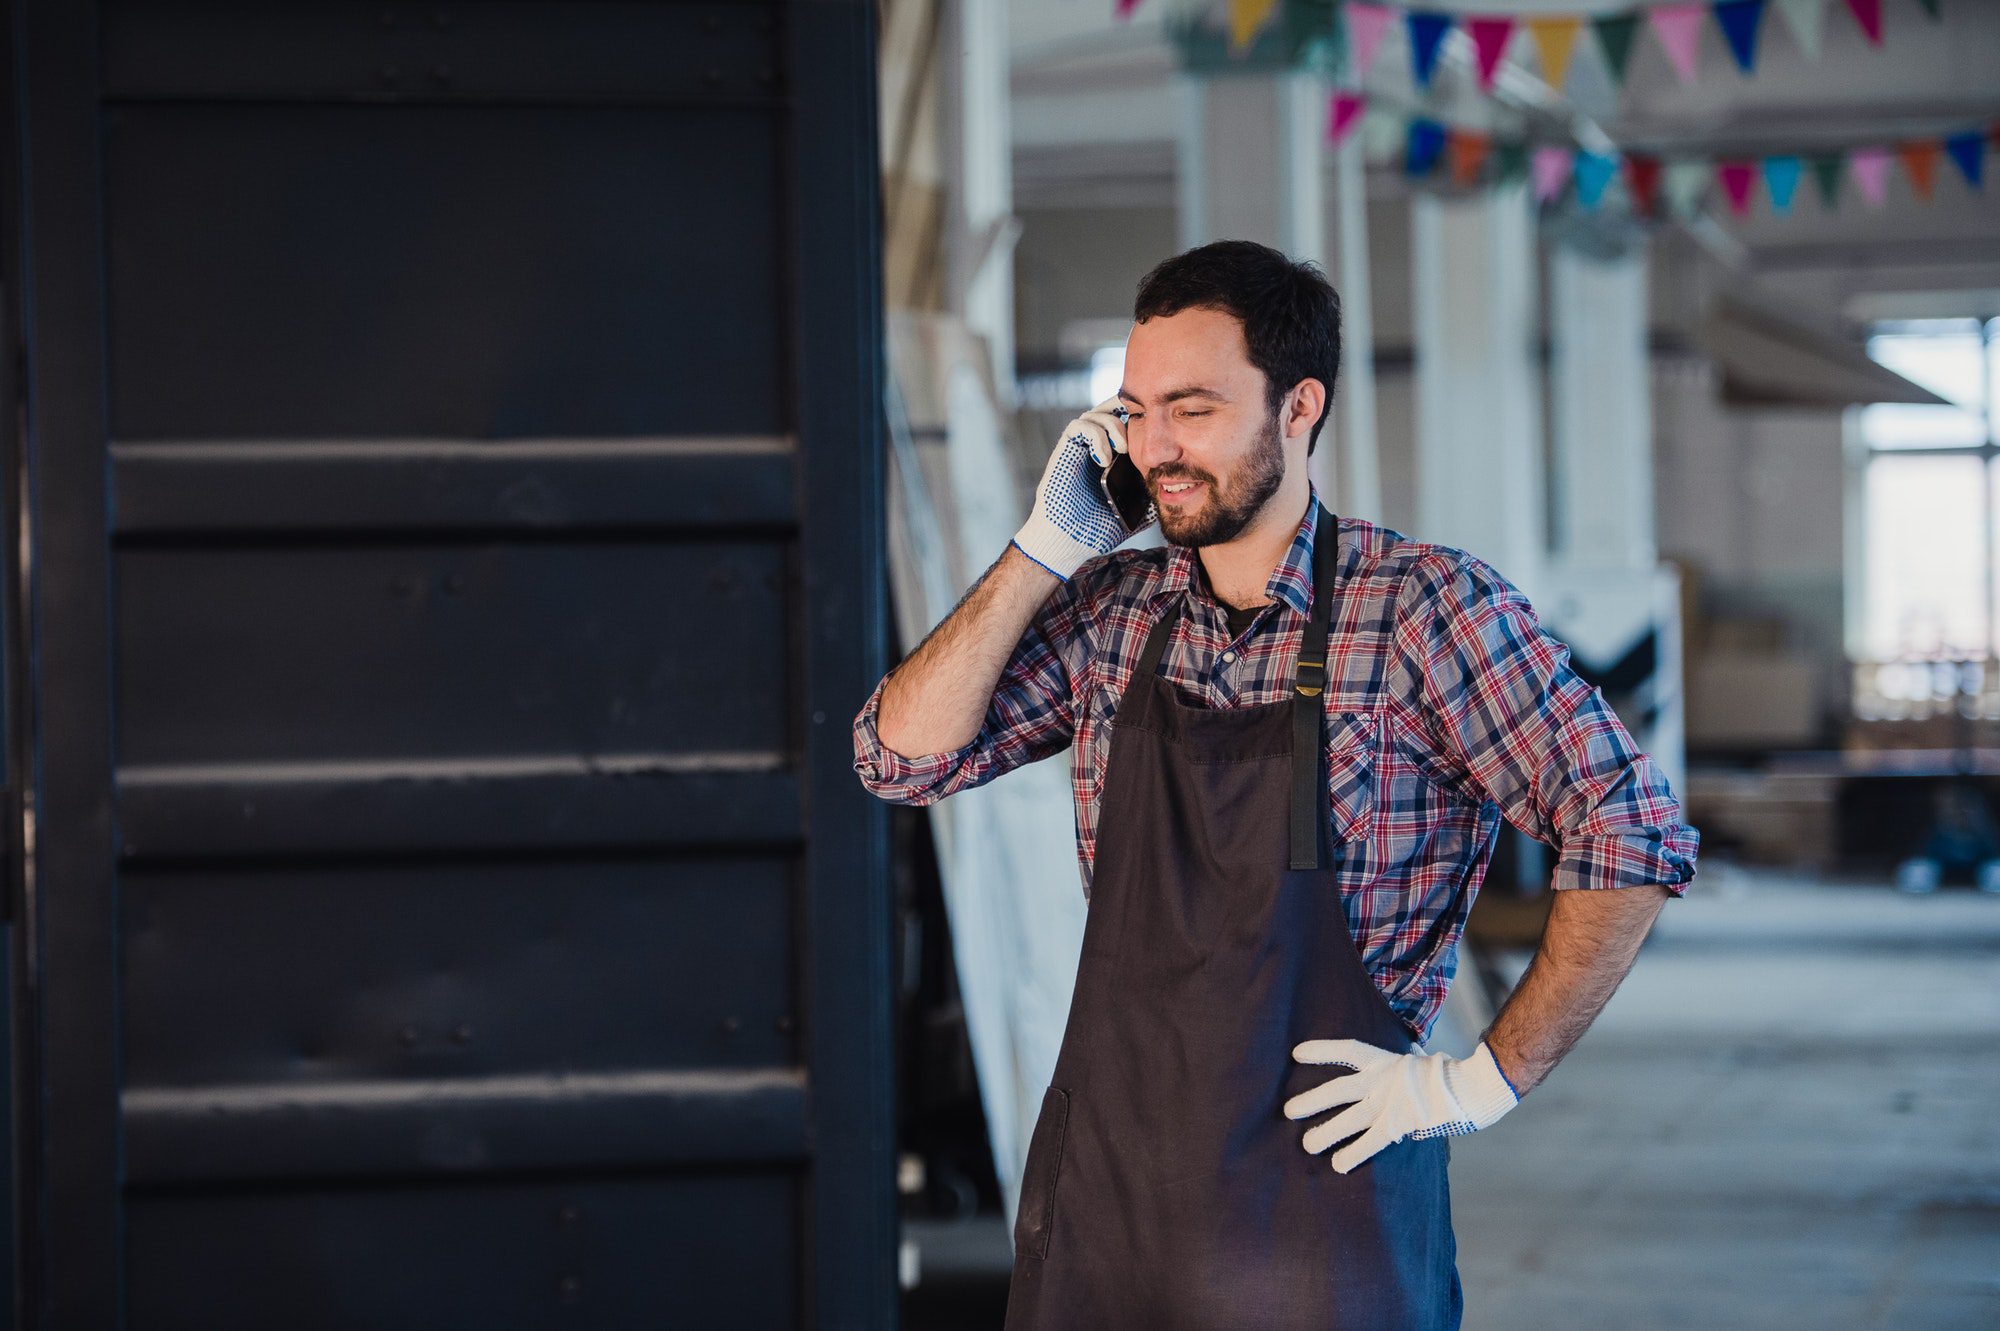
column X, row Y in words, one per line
column 452, row 511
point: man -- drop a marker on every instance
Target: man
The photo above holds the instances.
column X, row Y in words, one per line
column 1295, row 737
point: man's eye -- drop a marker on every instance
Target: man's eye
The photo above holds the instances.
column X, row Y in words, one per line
column 1194, row 413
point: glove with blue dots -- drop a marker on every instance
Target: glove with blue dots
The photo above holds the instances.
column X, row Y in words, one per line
column 1072, row 520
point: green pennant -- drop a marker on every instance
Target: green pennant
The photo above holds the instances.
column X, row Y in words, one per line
column 1935, row 8
column 1826, row 175
column 1510, row 161
column 1615, row 33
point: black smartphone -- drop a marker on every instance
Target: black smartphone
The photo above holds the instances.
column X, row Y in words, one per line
column 1125, row 488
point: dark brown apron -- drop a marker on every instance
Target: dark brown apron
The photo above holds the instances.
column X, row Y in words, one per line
column 1165, row 1187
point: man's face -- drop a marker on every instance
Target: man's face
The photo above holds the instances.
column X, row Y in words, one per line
column 1212, row 458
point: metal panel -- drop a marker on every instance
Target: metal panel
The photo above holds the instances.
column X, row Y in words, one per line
column 457, row 547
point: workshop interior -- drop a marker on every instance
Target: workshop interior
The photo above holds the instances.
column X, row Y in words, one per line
column 466, row 464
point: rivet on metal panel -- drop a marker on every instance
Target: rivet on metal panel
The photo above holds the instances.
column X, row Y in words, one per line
column 407, row 1037
column 455, row 583
column 819, row 718
column 571, row 1288
column 407, row 585
column 567, row 1215
column 461, row 1034
column 731, row 1025
column 785, row 1023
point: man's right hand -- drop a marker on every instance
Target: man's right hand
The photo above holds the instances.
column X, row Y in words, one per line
column 1072, row 520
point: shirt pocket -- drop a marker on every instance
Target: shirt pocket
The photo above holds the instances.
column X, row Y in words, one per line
column 1352, row 741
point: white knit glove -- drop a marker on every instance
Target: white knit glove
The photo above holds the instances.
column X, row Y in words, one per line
column 1072, row 521
column 1396, row 1096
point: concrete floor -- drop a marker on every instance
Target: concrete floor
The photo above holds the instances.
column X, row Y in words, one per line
column 1787, row 1117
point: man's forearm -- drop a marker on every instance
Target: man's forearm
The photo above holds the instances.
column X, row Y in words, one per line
column 935, row 700
column 1586, row 950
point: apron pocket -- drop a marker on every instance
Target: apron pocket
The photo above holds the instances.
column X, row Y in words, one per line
column 1036, row 1215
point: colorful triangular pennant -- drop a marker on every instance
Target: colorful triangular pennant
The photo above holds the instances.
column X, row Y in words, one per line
column 1426, row 142
column 1736, row 178
column 1343, row 113
column 1642, row 181
column 1510, row 161
column 1679, row 29
column 1738, row 20
column 1550, row 170
column 1245, row 17
column 1920, row 158
column 1465, row 153
column 1870, row 167
column 1555, row 39
column 1781, row 181
column 1427, row 33
column 1489, row 44
column 1826, row 175
column 1365, row 26
column 1808, row 20
column 1868, row 13
column 1968, row 150
column 1935, row 8
column 1615, row 33
column 1685, row 183
column 1593, row 172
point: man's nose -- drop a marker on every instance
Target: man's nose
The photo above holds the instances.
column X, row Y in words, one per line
column 1151, row 446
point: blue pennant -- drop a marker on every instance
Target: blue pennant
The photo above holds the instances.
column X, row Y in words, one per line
column 1427, row 30
column 1593, row 173
column 1426, row 142
column 1738, row 20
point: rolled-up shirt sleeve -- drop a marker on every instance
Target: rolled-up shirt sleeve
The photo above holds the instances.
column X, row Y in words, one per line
column 1032, row 714
column 1502, row 702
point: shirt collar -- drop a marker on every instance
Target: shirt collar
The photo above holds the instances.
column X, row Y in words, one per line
column 1290, row 581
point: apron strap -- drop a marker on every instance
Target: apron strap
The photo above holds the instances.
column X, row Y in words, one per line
column 1308, row 684
column 1136, row 707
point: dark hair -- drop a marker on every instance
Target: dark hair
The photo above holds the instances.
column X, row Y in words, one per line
column 1289, row 311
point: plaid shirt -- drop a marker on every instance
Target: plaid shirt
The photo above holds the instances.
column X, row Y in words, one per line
column 1447, row 707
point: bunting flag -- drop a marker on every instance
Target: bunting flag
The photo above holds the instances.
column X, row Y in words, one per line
column 1125, row 8
column 1245, row 17
column 1365, row 26
column 1920, row 158
column 1465, row 153
column 1426, row 142
column 1868, row 13
column 1736, row 178
column 1427, row 33
column 1593, row 173
column 1826, row 175
column 1555, row 39
column 1550, row 170
column 1489, row 43
column 1807, row 20
column 1679, row 29
column 1969, row 153
column 1614, row 34
column 1642, row 182
column 1781, row 181
column 1685, row 183
column 1738, row 20
column 1510, row 160
column 1343, row 114
column 1870, row 167
column 1935, row 8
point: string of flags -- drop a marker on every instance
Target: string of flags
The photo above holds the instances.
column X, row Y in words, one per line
column 1682, row 183
column 1676, row 27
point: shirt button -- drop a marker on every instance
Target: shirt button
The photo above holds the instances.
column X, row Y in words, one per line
column 1229, row 656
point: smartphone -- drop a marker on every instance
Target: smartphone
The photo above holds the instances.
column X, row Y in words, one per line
column 1126, row 490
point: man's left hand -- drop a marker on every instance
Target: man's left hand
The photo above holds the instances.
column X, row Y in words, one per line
column 1393, row 1096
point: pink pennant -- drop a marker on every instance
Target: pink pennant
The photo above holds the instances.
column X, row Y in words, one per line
column 1550, row 168
column 1342, row 114
column 1679, row 29
column 1736, row 178
column 1125, row 8
column 1365, row 26
column 1489, row 42
column 1870, row 168
column 1868, row 13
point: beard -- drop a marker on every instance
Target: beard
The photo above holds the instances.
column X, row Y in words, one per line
column 1226, row 512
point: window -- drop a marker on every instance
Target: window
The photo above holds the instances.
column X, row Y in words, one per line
column 1929, row 634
